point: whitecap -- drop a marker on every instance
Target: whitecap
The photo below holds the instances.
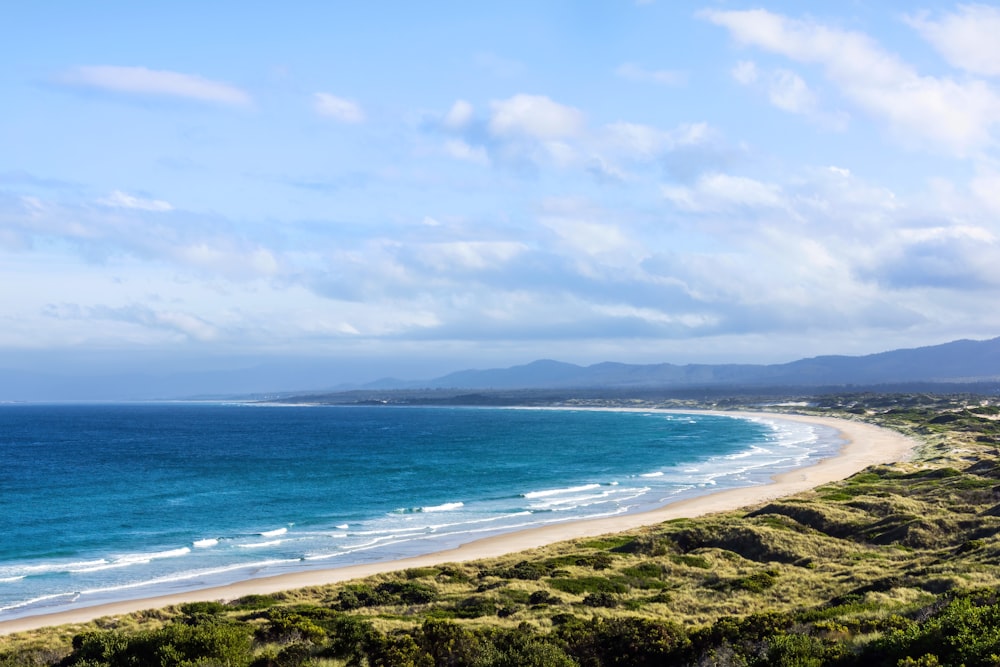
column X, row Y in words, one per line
column 257, row 545
column 555, row 492
column 273, row 533
column 446, row 507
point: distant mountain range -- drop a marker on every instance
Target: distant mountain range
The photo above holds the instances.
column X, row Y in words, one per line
column 962, row 362
column 958, row 362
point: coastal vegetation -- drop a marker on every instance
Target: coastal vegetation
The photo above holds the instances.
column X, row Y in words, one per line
column 897, row 565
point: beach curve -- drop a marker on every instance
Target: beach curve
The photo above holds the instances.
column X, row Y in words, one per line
column 864, row 445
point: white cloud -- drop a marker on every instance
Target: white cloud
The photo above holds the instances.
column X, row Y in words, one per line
column 605, row 171
column 459, row 116
column 635, row 139
column 968, row 39
column 461, row 150
column 949, row 115
column 721, row 192
column 592, row 238
column 119, row 199
column 225, row 257
column 745, row 72
column 986, row 187
column 789, row 92
column 338, row 108
column 170, row 321
column 534, row 116
column 561, row 153
column 666, row 77
column 645, row 142
column 143, row 81
column 470, row 255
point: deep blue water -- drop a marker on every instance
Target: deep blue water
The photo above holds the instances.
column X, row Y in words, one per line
column 106, row 502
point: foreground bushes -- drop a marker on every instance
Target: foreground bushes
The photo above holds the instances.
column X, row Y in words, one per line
column 957, row 629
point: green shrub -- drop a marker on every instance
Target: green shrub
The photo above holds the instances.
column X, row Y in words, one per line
column 600, row 600
column 692, row 561
column 581, row 585
column 544, row 597
column 174, row 645
column 475, row 607
column 421, row 572
column 757, row 582
column 254, row 602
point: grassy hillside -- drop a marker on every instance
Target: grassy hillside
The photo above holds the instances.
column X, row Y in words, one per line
column 895, row 566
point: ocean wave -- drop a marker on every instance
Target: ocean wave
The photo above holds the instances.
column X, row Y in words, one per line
column 258, row 545
column 381, row 541
column 74, row 595
column 571, row 504
column 189, row 574
column 273, row 533
column 341, row 526
column 446, row 507
column 129, row 560
column 46, row 568
column 383, row 531
column 555, row 492
column 754, row 450
column 652, row 474
column 206, row 543
column 491, row 519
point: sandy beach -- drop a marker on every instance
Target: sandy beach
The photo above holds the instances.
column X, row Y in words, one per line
column 865, row 445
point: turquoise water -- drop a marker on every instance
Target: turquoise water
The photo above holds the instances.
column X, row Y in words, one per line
column 110, row 502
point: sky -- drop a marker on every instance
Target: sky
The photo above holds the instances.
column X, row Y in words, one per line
column 362, row 190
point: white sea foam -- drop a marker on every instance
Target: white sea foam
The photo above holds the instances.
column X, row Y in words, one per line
column 47, row 568
column 555, row 492
column 652, row 474
column 258, row 545
column 342, row 526
column 570, row 503
column 273, row 533
column 206, row 543
column 42, row 598
column 384, row 531
column 155, row 555
column 491, row 519
column 128, row 560
column 382, row 541
column 446, row 507
column 754, row 450
column 190, row 574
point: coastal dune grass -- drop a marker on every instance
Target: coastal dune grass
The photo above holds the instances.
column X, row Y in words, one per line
column 896, row 565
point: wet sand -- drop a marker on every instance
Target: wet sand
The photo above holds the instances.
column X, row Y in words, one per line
column 865, row 445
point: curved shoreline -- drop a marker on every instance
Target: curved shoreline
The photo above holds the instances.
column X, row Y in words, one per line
column 864, row 445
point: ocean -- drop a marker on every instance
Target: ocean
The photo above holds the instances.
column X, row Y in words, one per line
column 101, row 503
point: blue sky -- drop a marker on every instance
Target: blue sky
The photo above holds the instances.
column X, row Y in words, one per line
column 407, row 189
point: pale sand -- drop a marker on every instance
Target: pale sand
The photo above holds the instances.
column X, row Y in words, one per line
column 865, row 445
